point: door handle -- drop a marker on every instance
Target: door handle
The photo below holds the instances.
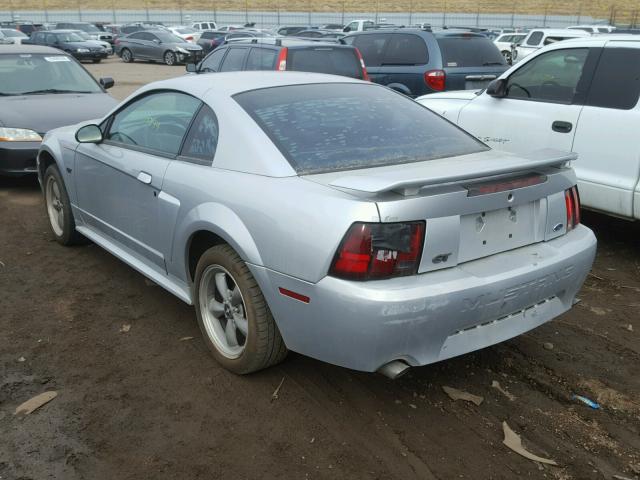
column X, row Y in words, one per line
column 144, row 177
column 561, row 127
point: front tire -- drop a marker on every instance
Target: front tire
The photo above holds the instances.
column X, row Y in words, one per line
column 233, row 315
column 58, row 208
column 170, row 58
column 126, row 55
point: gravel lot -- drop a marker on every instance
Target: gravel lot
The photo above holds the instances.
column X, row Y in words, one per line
column 151, row 403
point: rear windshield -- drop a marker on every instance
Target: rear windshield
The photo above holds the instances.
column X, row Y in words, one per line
column 469, row 51
column 337, row 61
column 329, row 127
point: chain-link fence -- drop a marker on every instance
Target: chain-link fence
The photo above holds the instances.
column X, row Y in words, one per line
column 268, row 13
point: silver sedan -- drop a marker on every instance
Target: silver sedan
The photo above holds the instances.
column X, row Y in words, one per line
column 320, row 214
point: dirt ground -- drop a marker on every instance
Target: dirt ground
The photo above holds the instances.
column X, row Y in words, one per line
column 150, row 403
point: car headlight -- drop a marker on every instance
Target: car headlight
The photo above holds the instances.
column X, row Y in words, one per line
column 83, row 50
column 18, row 135
column 182, row 50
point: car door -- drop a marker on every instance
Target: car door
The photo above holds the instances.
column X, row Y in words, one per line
column 541, row 106
column 606, row 139
column 148, row 45
column 119, row 181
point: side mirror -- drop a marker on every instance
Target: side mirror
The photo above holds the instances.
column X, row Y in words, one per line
column 107, row 82
column 89, row 134
column 156, row 41
column 192, row 68
column 497, row 88
column 346, row 29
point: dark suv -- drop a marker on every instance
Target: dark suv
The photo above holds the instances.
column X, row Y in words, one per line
column 418, row 62
column 284, row 54
column 69, row 42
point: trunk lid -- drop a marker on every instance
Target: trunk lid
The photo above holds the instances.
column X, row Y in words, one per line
column 474, row 205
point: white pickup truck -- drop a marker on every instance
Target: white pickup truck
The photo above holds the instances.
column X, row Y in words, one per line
column 577, row 95
column 541, row 37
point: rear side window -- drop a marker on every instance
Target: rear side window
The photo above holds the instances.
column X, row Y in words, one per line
column 261, row 59
column 469, row 51
column 405, row 49
column 534, row 38
column 616, row 83
column 234, row 60
column 336, row 61
column 372, row 48
column 202, row 138
column 342, row 126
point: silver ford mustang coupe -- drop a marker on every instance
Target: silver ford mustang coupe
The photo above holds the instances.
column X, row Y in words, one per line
column 320, row 214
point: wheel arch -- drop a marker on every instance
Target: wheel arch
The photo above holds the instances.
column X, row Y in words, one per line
column 213, row 224
column 400, row 87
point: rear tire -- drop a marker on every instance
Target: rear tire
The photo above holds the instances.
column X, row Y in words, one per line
column 170, row 58
column 58, row 207
column 262, row 345
column 126, row 55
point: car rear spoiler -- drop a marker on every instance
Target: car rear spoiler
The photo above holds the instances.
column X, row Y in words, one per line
column 410, row 178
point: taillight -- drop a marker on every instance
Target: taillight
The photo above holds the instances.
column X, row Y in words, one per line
column 281, row 63
column 435, row 79
column 572, row 203
column 365, row 75
column 373, row 251
column 189, row 39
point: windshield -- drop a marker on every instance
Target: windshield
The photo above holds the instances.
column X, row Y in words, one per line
column 22, row 73
column 185, row 31
column 337, row 61
column 69, row 37
column 168, row 37
column 89, row 28
column 13, row 33
column 469, row 51
column 83, row 35
column 328, row 127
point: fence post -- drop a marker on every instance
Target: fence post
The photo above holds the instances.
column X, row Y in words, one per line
column 181, row 13
column 544, row 20
column 579, row 14
column 343, row 12
column 478, row 17
column 309, row 13
column 46, row 11
column 79, row 11
column 410, row 12
column 246, row 11
column 513, row 15
column 444, row 14
column 612, row 15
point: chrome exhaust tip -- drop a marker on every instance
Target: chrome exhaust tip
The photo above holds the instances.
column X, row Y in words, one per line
column 394, row 369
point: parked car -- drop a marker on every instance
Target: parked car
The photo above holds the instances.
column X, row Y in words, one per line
column 89, row 28
column 506, row 43
column 284, row 54
column 345, row 273
column 579, row 95
column 244, row 34
column 288, row 31
column 5, row 40
column 320, row 34
column 186, row 33
column 157, row 45
column 210, row 40
column 541, row 37
column 204, row 25
column 42, row 88
column 88, row 38
column 229, row 28
column 332, row 26
column 25, row 27
column 359, row 26
column 417, row 62
column 69, row 42
column 15, row 35
column 594, row 28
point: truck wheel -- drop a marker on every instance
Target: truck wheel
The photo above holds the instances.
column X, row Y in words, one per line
column 233, row 315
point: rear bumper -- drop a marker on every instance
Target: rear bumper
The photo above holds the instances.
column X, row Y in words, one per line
column 18, row 158
column 432, row 316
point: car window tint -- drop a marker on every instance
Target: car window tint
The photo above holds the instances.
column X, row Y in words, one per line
column 157, row 121
column 554, row 39
column 212, row 62
column 469, row 51
column 403, row 49
column 340, row 126
column 534, row 38
column 551, row 77
column 51, row 39
column 371, row 47
column 234, row 60
column 336, row 61
column 202, row 138
column 137, row 36
column 616, row 83
column 261, row 59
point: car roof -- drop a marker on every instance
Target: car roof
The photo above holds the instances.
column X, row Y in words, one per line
column 231, row 83
column 561, row 31
column 23, row 48
column 284, row 42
